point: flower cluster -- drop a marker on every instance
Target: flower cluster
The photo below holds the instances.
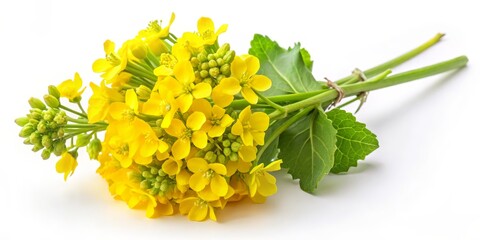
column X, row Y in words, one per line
column 172, row 142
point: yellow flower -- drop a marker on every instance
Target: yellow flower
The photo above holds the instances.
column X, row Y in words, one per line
column 167, row 64
column 243, row 79
column 206, row 29
column 66, row 165
column 112, row 64
column 186, row 134
column 261, row 182
column 99, row 102
column 172, row 166
column 161, row 104
column 154, row 34
column 147, row 143
column 187, row 45
column 119, row 138
column 71, row 88
column 208, row 178
column 198, row 209
column 251, row 127
column 183, row 86
column 216, row 121
column 127, row 110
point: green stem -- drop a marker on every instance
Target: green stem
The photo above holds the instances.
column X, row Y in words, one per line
column 353, row 89
column 398, row 60
column 280, row 130
column 72, row 111
column 81, row 108
column 269, row 102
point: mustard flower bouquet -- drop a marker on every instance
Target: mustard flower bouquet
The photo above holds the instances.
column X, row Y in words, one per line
column 183, row 123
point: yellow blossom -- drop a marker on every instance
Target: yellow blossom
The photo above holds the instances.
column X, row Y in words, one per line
column 206, row 29
column 187, row 45
column 119, row 138
column 99, row 102
column 154, row 34
column 183, row 86
column 66, row 165
column 161, row 104
column 128, row 109
column 217, row 119
column 147, row 143
column 208, row 178
column 71, row 88
column 198, row 209
column 186, row 134
column 172, row 166
column 112, row 64
column 261, row 181
column 251, row 127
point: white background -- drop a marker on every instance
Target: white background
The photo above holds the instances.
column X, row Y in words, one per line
column 422, row 183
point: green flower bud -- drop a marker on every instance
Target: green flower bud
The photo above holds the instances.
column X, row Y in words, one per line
column 211, row 57
column 46, row 141
column 48, row 116
column 94, row 148
column 46, row 154
column 145, row 184
column 227, row 151
column 220, row 77
column 34, row 122
column 204, row 73
column 223, row 49
column 35, row 138
column 26, row 141
column 161, row 173
column 27, row 130
column 37, row 147
column 42, row 127
column 51, row 101
column 233, row 156
column 195, row 62
column 83, row 139
column 22, row 121
column 235, row 146
column 143, row 92
column 229, row 56
column 59, row 148
column 209, row 146
column 205, row 66
column 36, row 103
column 60, row 133
column 134, row 176
column 146, row 174
column 208, row 81
column 36, row 114
column 157, row 185
column 214, row 71
column 226, row 143
column 210, row 156
column 154, row 170
column 212, row 63
column 155, row 191
column 225, row 69
column 53, row 90
column 60, row 118
column 220, row 61
column 202, row 57
column 221, row 158
column 231, row 136
column 200, row 153
column 164, row 186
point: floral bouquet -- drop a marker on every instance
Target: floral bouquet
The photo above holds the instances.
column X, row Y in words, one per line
column 185, row 124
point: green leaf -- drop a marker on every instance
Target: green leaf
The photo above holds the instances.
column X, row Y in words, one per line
column 307, row 58
column 286, row 68
column 307, row 149
column 354, row 140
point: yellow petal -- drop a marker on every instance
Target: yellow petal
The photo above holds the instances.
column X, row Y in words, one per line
column 172, row 167
column 245, row 113
column 238, row 67
column 226, row 121
column 237, row 128
column 211, row 214
column 249, row 95
column 216, row 131
column 198, row 213
column 108, row 47
column 230, row 86
column 162, row 146
column 219, row 185
column 273, row 166
column 183, row 72
column 186, row 204
column 101, row 65
column 265, row 188
column 184, row 102
column 201, row 105
column 202, row 90
column 163, row 70
column 205, row 24
column 197, row 182
column 197, row 165
column 253, row 64
column 196, row 120
column 221, row 99
column 200, row 139
column 259, row 121
column 258, row 137
column 248, row 153
column 218, row 168
column 260, row 83
column 247, row 138
column 221, row 29
column 258, row 198
column 181, row 148
column 131, row 100
column 143, row 160
column 207, row 194
column 176, row 128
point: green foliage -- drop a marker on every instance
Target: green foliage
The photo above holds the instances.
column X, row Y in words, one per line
column 307, row 149
column 354, row 140
column 289, row 69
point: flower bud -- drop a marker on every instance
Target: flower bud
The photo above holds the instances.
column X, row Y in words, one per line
column 59, row 148
column 36, row 103
column 202, row 57
column 83, row 139
column 214, row 71
column 195, row 62
column 225, row 69
column 37, row 147
column 204, row 66
column 46, row 154
column 210, row 156
column 94, row 148
column 139, row 50
column 204, row 73
column 143, row 92
column 226, row 143
column 53, row 90
column 42, row 127
column 22, row 121
column 27, row 130
column 212, row 63
column 233, row 156
column 221, row 158
column 223, row 49
column 229, row 56
column 46, row 141
column 145, row 184
column 35, row 138
column 51, row 101
column 211, row 57
column 227, row 151
column 235, row 146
